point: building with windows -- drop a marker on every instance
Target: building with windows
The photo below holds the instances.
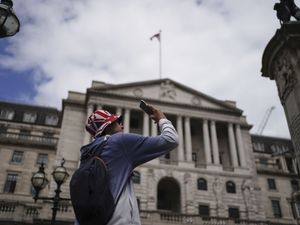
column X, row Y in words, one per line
column 278, row 177
column 213, row 177
column 28, row 137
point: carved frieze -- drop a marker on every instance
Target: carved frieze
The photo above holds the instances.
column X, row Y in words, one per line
column 167, row 90
column 285, row 78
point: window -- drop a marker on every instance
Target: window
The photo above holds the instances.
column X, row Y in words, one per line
column 276, row 208
column 233, row 212
column 278, row 163
column 295, row 207
column 51, row 120
column 295, row 185
column 10, row 184
column 134, row 123
column 3, row 131
column 17, row 157
column 271, row 184
column 42, row 158
column 263, row 162
column 230, row 187
column 194, row 156
column 7, row 114
column 290, row 164
column 203, row 210
column 202, row 184
column 138, row 203
column 29, row 117
column 136, row 177
column 260, row 147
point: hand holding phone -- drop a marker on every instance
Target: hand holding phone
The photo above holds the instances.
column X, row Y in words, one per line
column 146, row 108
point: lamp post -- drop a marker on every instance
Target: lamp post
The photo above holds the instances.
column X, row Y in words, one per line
column 39, row 181
column 9, row 22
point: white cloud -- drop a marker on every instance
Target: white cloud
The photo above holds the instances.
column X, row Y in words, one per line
column 214, row 47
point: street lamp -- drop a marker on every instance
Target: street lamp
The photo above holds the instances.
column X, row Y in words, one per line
column 9, row 22
column 39, row 181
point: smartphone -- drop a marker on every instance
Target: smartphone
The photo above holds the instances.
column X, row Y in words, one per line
column 145, row 107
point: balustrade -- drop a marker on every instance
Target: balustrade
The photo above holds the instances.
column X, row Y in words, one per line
column 19, row 138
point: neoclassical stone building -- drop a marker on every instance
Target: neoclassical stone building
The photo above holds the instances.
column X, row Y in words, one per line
column 211, row 178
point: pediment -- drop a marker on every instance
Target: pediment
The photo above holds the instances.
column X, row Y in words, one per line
column 167, row 90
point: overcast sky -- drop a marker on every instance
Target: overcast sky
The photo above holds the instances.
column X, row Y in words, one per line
column 213, row 46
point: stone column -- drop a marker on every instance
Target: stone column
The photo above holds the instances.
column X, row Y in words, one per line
column 119, row 111
column 232, row 146
column 188, row 139
column 153, row 134
column 280, row 63
column 127, row 121
column 145, row 124
column 294, row 161
column 283, row 163
column 206, row 140
column 214, row 142
column 87, row 136
column 240, row 145
column 180, row 136
column 153, row 129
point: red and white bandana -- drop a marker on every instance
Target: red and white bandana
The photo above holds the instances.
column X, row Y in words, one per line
column 99, row 120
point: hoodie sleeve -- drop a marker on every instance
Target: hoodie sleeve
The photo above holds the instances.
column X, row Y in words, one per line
column 140, row 149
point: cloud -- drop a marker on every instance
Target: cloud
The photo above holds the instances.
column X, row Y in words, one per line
column 213, row 46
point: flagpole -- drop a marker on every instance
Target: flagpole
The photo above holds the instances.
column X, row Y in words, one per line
column 158, row 37
column 160, row 57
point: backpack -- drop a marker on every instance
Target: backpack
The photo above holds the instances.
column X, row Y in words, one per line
column 91, row 197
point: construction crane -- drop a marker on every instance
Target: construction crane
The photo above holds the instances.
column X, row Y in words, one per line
column 264, row 121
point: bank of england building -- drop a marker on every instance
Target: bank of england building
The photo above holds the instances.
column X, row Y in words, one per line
column 218, row 174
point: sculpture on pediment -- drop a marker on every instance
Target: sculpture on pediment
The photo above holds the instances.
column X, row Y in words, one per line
column 285, row 78
column 286, row 9
column 167, row 90
column 138, row 92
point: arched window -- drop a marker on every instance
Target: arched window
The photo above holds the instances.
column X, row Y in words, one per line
column 136, row 177
column 202, row 184
column 230, row 187
column 168, row 195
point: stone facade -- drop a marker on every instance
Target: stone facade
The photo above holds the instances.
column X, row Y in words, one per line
column 278, row 177
column 281, row 63
column 212, row 173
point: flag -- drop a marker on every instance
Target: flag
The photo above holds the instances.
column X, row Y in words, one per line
column 156, row 36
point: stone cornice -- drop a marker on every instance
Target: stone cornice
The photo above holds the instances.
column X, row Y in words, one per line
column 159, row 81
column 232, row 116
column 105, row 94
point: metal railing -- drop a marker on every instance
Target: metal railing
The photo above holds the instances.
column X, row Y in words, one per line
column 19, row 212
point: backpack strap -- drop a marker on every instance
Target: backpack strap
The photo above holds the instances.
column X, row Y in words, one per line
column 97, row 157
